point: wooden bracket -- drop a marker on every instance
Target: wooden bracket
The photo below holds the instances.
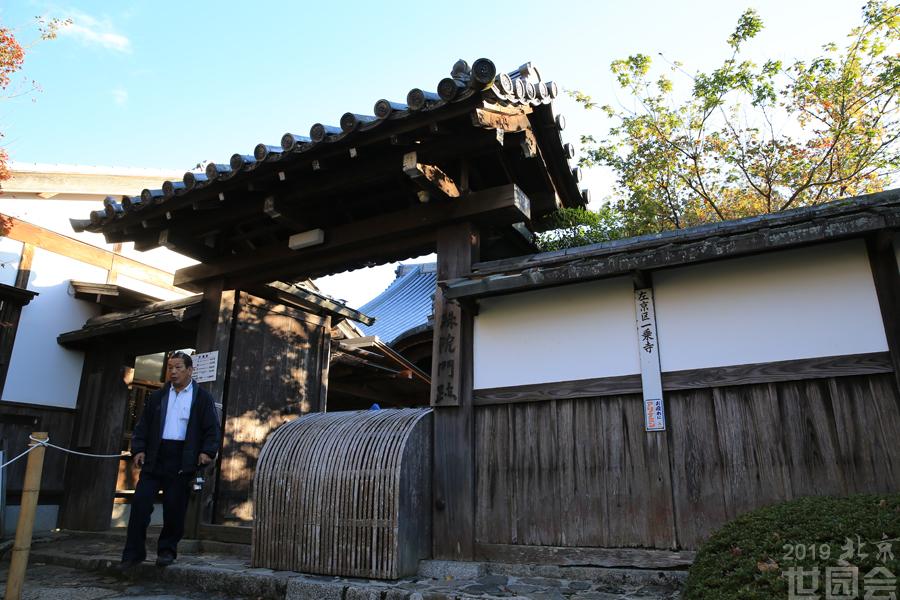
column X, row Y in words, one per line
column 429, row 178
column 275, row 211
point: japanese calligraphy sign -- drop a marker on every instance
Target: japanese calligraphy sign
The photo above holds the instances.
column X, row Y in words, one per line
column 205, row 364
column 446, row 376
column 648, row 348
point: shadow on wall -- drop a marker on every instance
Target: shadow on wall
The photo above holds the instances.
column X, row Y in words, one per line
column 274, row 378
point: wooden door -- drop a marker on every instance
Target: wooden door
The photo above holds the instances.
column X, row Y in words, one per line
column 278, row 355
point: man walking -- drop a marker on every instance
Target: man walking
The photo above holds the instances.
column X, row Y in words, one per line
column 178, row 432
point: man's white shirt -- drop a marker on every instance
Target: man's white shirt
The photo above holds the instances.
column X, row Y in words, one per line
column 178, row 412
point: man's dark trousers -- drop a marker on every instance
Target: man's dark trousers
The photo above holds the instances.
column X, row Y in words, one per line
column 175, row 487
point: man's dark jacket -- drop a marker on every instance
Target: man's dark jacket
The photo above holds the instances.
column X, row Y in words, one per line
column 202, row 428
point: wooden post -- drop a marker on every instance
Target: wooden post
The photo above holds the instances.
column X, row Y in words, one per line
column 451, row 396
column 885, row 274
column 22, row 545
column 213, row 333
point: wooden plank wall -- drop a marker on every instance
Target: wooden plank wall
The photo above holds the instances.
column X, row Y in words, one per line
column 17, row 422
column 90, row 483
column 583, row 472
column 274, row 377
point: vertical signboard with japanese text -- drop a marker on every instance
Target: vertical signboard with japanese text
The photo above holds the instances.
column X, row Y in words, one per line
column 648, row 348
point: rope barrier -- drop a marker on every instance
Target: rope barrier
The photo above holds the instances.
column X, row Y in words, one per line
column 47, row 443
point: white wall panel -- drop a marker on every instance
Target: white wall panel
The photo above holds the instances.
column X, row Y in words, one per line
column 147, row 288
column 54, row 214
column 816, row 301
column 41, row 371
column 10, row 254
column 572, row 332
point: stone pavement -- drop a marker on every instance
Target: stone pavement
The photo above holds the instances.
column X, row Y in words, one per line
column 217, row 570
column 50, row 582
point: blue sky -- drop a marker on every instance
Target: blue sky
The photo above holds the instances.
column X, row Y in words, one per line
column 170, row 84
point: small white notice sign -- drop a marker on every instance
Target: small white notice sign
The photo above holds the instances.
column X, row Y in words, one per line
column 205, row 364
column 648, row 348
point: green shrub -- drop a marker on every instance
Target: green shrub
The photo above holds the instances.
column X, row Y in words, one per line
column 752, row 557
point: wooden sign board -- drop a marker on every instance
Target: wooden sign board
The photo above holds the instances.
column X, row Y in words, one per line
column 648, row 348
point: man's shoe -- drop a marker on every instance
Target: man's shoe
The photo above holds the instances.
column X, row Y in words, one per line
column 127, row 565
column 165, row 559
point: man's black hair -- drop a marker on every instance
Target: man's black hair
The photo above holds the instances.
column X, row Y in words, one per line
column 188, row 363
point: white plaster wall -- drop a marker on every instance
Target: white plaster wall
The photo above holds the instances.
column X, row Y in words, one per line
column 54, row 214
column 161, row 258
column 10, row 254
column 45, row 518
column 816, row 301
column 572, row 332
column 41, row 371
column 146, row 288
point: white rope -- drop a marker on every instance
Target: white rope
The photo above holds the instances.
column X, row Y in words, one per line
column 6, row 464
column 46, row 442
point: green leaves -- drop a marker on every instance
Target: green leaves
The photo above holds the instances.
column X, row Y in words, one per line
column 749, row 24
column 748, row 138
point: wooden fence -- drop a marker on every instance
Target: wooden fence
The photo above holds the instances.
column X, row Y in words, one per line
column 582, row 472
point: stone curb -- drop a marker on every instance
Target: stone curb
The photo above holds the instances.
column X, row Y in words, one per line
column 449, row 577
column 260, row 583
column 615, row 576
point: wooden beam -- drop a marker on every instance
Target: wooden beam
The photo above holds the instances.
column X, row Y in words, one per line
column 214, row 333
column 189, row 246
column 505, row 204
column 275, row 209
column 453, row 483
column 885, row 274
column 659, row 251
column 50, row 184
column 772, row 372
column 282, row 293
column 51, row 241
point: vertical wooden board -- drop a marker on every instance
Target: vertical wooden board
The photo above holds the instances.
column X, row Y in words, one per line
column 696, row 466
column 548, row 515
column 640, row 499
column 734, row 430
column 657, row 481
column 590, row 503
column 810, row 442
column 535, row 503
column 570, row 521
column 886, row 403
column 492, row 443
column 453, row 469
column 767, row 438
column 614, row 470
column 859, row 433
column 90, row 483
column 17, row 422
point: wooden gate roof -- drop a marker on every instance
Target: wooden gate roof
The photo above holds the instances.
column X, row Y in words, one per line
column 369, row 189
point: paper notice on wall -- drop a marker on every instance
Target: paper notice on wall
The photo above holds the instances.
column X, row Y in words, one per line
column 648, row 348
column 205, row 364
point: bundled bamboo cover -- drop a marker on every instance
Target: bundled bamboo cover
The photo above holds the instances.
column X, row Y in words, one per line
column 345, row 493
